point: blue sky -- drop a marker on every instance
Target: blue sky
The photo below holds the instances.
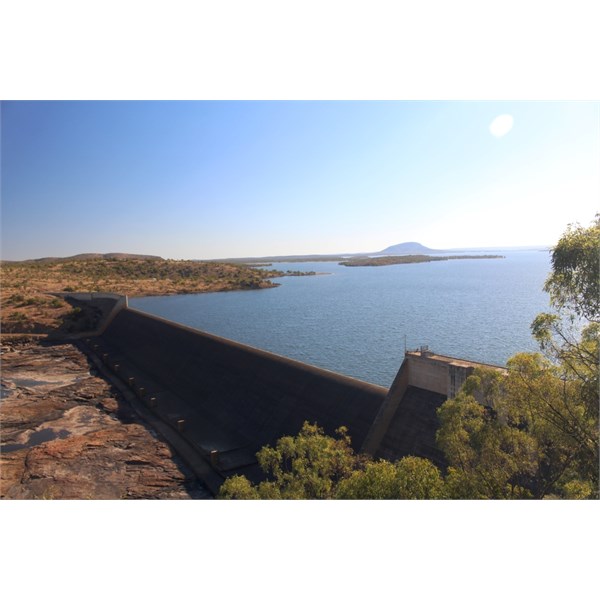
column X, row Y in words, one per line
column 213, row 179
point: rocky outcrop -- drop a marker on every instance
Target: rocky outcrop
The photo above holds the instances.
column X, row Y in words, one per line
column 67, row 434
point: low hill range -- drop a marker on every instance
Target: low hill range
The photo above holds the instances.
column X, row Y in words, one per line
column 92, row 256
column 405, row 248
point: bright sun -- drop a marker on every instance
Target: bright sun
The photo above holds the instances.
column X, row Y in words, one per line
column 501, row 125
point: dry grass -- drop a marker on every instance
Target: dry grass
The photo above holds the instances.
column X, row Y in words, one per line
column 29, row 306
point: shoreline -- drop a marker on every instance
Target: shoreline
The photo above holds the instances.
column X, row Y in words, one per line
column 33, row 293
column 385, row 261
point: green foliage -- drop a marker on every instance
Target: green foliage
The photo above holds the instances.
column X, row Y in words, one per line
column 289, row 273
column 488, row 458
column 21, row 301
column 238, row 488
column 558, row 410
column 577, row 490
column 418, row 479
column 411, row 478
column 309, row 465
column 539, row 435
column 103, row 273
column 570, row 336
column 376, row 482
column 313, row 465
column 574, row 284
column 175, row 270
column 382, row 261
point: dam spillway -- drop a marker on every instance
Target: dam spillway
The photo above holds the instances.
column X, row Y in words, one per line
column 228, row 400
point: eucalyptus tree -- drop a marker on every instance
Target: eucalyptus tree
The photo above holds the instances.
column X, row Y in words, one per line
column 538, row 435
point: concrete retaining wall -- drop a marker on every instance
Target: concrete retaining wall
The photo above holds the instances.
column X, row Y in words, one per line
column 387, row 410
column 407, row 421
column 108, row 306
column 428, row 374
column 228, row 400
column 228, row 397
column 412, row 429
column 92, row 296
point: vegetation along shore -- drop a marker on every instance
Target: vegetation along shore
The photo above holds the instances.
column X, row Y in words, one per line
column 29, row 303
column 382, row 261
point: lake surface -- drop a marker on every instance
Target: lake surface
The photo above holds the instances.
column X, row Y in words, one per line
column 355, row 320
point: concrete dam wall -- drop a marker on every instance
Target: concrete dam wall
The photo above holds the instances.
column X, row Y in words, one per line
column 228, row 400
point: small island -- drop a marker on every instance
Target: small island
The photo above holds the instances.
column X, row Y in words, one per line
column 382, row 261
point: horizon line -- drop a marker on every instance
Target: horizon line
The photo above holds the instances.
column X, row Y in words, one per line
column 333, row 255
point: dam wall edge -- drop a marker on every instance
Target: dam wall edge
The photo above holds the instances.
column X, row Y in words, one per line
column 266, row 354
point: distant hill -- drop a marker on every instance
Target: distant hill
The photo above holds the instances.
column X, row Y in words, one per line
column 92, row 256
column 408, row 248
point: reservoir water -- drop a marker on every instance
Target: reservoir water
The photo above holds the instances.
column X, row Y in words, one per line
column 355, row 320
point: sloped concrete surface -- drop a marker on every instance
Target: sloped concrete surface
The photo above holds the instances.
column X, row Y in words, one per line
column 412, row 430
column 227, row 397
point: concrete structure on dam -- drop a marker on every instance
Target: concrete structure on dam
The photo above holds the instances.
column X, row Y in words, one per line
column 226, row 400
